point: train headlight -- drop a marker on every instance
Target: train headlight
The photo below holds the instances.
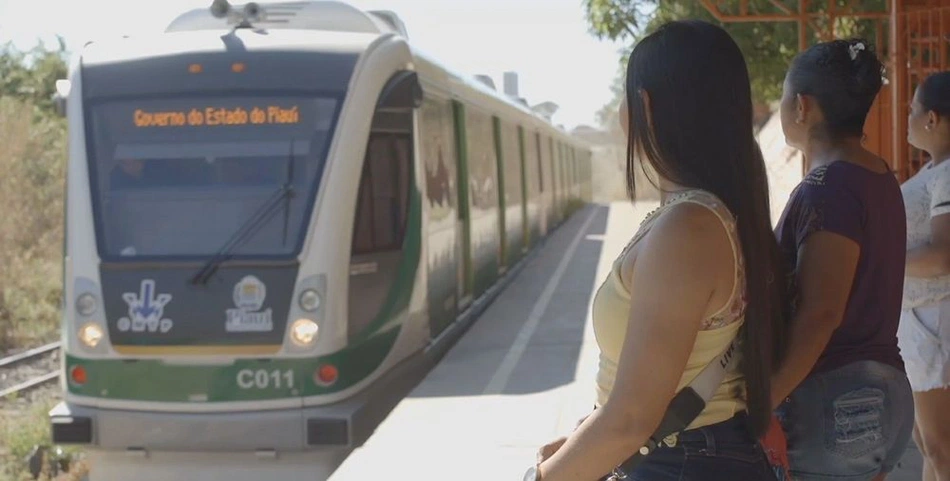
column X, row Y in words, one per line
column 86, row 304
column 310, row 300
column 90, row 334
column 303, row 332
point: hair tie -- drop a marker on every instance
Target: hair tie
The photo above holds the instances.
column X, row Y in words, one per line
column 855, row 49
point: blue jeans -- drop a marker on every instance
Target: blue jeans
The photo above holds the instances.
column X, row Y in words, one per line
column 848, row 424
column 719, row 452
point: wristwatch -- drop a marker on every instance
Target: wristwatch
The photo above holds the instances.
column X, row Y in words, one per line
column 532, row 474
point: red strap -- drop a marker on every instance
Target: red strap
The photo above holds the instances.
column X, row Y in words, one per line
column 776, row 446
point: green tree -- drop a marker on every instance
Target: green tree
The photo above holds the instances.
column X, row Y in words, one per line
column 767, row 46
column 31, row 76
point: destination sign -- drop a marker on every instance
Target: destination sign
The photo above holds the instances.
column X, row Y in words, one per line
column 217, row 116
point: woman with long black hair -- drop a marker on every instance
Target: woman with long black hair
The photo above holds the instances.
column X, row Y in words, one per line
column 703, row 271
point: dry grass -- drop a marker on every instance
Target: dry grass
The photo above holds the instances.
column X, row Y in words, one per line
column 32, row 167
column 32, row 161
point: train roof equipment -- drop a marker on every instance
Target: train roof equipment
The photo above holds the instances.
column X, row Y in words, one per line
column 326, row 15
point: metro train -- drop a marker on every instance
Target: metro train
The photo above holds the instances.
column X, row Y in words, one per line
column 278, row 217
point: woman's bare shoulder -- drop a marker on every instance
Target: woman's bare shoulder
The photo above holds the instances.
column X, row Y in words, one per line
column 687, row 237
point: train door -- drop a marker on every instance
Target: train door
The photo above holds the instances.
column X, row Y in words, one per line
column 562, row 177
column 526, row 220
column 565, row 175
column 464, row 224
column 380, row 277
column 544, row 204
column 482, row 174
column 512, row 187
column 502, row 201
column 437, row 140
column 555, row 178
column 575, row 177
column 571, row 170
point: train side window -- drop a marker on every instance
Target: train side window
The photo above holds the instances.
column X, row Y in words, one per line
column 512, row 164
column 482, row 163
column 383, row 207
column 437, row 137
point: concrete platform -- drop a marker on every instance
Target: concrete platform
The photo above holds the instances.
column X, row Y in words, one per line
column 523, row 374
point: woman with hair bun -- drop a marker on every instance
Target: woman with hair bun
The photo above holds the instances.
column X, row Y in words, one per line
column 842, row 395
column 924, row 334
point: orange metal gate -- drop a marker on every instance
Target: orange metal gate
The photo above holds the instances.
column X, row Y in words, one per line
column 922, row 48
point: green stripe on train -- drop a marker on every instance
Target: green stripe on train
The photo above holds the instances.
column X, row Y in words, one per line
column 244, row 380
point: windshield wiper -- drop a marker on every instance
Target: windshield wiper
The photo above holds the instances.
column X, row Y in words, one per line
column 251, row 226
column 290, row 182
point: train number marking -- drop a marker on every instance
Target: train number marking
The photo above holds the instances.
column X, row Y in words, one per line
column 264, row 379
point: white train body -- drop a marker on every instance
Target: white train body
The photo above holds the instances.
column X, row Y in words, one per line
column 393, row 197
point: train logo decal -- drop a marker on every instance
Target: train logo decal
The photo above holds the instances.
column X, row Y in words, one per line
column 145, row 310
column 249, row 295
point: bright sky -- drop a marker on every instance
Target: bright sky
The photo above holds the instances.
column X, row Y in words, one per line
column 545, row 41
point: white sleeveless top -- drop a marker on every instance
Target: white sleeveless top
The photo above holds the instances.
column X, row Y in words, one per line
column 611, row 309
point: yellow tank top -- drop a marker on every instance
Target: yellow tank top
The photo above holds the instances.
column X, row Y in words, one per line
column 612, row 305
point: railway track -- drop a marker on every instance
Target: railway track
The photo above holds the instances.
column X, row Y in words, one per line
column 29, row 369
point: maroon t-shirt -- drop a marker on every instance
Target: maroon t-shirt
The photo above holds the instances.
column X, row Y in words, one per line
column 868, row 208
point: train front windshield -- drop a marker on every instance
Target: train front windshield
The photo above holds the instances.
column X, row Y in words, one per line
column 188, row 177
